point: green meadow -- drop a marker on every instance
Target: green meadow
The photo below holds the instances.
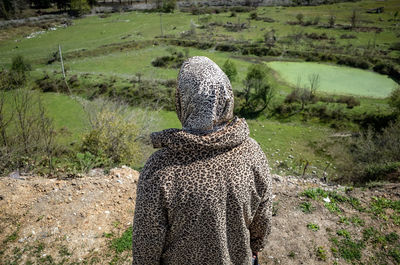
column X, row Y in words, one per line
column 117, row 48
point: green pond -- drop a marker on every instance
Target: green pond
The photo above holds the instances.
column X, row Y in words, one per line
column 336, row 79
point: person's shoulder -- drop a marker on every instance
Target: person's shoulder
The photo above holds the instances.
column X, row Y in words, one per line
column 154, row 164
column 254, row 145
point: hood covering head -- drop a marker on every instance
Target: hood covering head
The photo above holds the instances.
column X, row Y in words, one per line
column 204, row 98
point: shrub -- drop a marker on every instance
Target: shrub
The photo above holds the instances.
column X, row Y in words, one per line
column 376, row 155
column 28, row 136
column 113, row 134
column 230, row 70
column 79, row 7
column 20, row 65
column 168, row 6
column 350, row 101
column 394, row 99
column 226, row 47
column 354, row 62
column 300, row 18
column 257, row 93
column 16, row 76
column 48, row 83
column 253, row 15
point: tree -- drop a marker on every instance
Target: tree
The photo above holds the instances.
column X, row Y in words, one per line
column 300, row 18
column 257, row 92
column 80, row 6
column 354, row 19
column 314, row 81
column 168, row 6
column 394, row 99
column 270, row 38
column 42, row 3
column 230, row 70
column 331, row 21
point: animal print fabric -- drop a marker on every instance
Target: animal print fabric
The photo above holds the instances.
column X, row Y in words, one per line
column 204, row 98
column 204, row 197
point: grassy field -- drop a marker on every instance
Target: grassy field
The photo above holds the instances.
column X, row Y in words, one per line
column 289, row 143
column 336, row 79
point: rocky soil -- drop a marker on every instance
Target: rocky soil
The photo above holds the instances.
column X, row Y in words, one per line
column 76, row 221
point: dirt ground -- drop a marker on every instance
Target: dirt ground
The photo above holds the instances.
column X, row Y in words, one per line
column 73, row 221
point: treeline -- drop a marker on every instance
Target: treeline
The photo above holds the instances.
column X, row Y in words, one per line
column 13, row 8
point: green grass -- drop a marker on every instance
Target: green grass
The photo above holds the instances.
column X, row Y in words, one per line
column 336, row 79
column 124, row 242
column 313, row 227
column 307, row 207
column 67, row 113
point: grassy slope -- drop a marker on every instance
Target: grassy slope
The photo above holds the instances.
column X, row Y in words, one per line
column 92, row 32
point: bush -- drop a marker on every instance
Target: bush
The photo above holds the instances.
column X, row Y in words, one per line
column 113, row 135
column 230, row 70
column 257, row 92
column 28, row 137
column 173, row 61
column 253, row 15
column 20, row 65
column 394, row 99
column 168, row 6
column 48, row 83
column 79, row 7
column 376, row 155
column 350, row 101
column 354, row 62
column 16, row 76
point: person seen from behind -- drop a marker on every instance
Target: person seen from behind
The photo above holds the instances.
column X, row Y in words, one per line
column 205, row 197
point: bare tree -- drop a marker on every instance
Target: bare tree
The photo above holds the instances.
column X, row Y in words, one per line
column 314, row 82
column 354, row 19
column 4, row 120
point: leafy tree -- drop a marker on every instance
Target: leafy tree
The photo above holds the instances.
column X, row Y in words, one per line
column 230, row 70
column 394, row 99
column 16, row 76
column 257, row 92
column 11, row 8
column 63, row 4
column 20, row 65
column 332, row 21
column 80, row 6
column 168, row 6
column 42, row 3
column 300, row 18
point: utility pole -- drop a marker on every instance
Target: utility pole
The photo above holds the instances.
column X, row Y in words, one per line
column 162, row 34
column 62, row 68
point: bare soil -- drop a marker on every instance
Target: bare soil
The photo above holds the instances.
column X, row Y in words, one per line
column 74, row 221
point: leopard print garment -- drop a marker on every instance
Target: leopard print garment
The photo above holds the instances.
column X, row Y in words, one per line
column 204, row 197
column 204, row 98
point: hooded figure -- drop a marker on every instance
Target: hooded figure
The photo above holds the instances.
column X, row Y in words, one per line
column 205, row 196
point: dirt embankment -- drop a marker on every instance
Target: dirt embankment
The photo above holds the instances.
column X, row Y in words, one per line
column 51, row 221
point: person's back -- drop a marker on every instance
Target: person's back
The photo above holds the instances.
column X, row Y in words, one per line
column 205, row 197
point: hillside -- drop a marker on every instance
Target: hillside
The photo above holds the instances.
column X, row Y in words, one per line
column 87, row 221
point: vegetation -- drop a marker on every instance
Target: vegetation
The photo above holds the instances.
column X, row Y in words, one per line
column 230, row 70
column 135, row 57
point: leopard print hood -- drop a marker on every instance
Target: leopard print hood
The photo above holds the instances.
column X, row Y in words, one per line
column 204, row 97
column 204, row 105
